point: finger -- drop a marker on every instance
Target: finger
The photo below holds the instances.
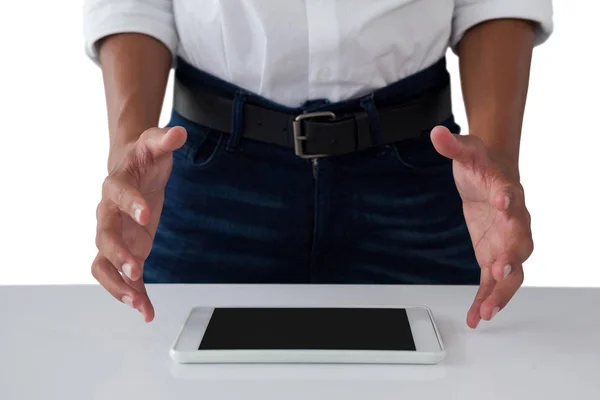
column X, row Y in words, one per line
column 145, row 305
column 111, row 245
column 502, row 267
column 126, row 198
column 465, row 149
column 503, row 292
column 160, row 141
column 518, row 250
column 106, row 274
column 486, row 287
column 505, row 194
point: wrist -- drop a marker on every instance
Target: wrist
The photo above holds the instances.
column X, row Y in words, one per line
column 508, row 161
column 118, row 148
column 502, row 143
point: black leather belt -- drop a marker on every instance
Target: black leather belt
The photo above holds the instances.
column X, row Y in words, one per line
column 315, row 134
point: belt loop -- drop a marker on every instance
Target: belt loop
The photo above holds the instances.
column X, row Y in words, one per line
column 237, row 124
column 368, row 104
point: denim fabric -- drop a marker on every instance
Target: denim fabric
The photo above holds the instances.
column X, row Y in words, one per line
column 240, row 211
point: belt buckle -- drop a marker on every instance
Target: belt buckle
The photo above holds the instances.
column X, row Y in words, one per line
column 299, row 138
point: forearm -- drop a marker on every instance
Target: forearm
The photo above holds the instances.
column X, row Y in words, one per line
column 135, row 70
column 495, row 59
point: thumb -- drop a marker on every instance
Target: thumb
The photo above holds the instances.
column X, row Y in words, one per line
column 463, row 149
column 160, row 141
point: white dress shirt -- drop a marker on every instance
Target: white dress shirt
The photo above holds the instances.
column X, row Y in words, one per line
column 291, row 51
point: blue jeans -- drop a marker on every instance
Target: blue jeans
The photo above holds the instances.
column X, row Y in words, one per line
column 240, row 211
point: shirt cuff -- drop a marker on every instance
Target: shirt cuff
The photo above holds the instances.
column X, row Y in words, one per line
column 468, row 13
column 102, row 18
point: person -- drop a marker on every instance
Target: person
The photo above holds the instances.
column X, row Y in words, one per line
column 313, row 142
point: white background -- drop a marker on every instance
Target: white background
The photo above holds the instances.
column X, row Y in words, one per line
column 53, row 146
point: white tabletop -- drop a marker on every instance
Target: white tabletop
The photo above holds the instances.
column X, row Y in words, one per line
column 76, row 342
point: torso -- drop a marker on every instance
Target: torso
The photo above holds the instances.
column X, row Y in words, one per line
column 297, row 50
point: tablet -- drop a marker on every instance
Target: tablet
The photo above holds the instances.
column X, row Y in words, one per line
column 405, row 335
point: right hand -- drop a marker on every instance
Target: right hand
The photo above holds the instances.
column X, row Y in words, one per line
column 128, row 214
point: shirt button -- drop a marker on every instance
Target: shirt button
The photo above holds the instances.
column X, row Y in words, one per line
column 324, row 74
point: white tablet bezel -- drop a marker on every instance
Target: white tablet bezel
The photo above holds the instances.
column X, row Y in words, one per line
column 428, row 342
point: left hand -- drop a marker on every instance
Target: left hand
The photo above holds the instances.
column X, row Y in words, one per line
column 498, row 221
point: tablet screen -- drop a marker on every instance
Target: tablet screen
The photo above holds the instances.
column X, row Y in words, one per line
column 308, row 329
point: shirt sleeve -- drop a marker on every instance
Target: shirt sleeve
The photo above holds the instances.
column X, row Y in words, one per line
column 468, row 13
column 102, row 18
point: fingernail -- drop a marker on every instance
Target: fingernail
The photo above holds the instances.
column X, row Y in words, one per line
column 506, row 202
column 127, row 270
column 507, row 270
column 137, row 212
column 494, row 312
column 127, row 300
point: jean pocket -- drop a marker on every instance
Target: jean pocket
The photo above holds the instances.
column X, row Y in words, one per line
column 419, row 155
column 204, row 146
